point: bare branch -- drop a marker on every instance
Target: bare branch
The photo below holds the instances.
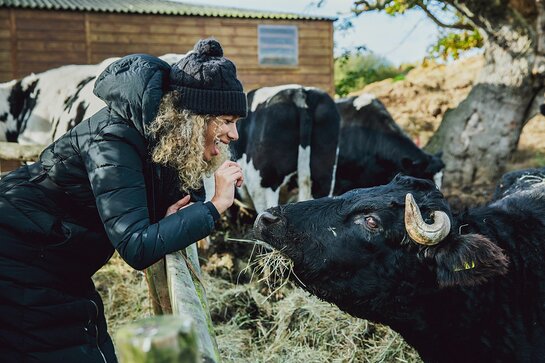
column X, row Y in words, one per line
column 540, row 6
column 369, row 6
column 361, row 6
column 474, row 16
column 462, row 9
column 459, row 25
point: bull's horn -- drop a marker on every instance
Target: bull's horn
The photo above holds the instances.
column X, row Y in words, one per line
column 420, row 231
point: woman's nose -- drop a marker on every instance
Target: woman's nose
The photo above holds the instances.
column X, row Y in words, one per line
column 232, row 133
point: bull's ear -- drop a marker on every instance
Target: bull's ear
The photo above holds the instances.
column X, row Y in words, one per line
column 469, row 260
column 409, row 165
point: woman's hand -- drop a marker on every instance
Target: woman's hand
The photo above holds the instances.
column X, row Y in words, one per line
column 182, row 203
column 228, row 175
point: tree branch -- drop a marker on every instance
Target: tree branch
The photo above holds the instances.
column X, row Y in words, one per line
column 368, row 6
column 467, row 13
column 540, row 28
column 459, row 25
column 361, row 6
column 487, row 16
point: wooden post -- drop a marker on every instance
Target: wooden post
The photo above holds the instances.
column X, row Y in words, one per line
column 188, row 297
column 159, row 339
column 156, row 277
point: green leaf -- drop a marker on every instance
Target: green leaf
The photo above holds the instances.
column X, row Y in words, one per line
column 453, row 44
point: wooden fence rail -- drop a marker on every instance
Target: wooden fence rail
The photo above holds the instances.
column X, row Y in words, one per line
column 15, row 151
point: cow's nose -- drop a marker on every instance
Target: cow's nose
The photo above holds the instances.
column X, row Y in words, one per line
column 267, row 218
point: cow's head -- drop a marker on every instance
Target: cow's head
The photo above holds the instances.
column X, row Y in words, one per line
column 423, row 165
column 379, row 246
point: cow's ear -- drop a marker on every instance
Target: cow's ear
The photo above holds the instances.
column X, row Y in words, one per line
column 469, row 260
column 408, row 165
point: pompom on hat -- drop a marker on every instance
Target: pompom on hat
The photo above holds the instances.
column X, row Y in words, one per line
column 207, row 81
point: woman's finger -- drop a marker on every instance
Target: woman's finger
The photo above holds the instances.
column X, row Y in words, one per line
column 179, row 204
column 228, row 163
column 182, row 201
column 232, row 170
column 235, row 175
column 185, row 206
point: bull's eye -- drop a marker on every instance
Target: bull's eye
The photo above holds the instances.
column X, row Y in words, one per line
column 371, row 222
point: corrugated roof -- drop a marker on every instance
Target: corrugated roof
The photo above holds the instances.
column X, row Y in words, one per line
column 163, row 7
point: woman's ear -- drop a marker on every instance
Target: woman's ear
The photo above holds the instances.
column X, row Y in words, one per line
column 469, row 260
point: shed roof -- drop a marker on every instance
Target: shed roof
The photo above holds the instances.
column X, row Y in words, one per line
column 162, row 7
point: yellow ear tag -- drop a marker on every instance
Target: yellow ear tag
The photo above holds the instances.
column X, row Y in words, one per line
column 467, row 266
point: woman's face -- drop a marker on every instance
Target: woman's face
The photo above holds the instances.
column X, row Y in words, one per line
column 220, row 129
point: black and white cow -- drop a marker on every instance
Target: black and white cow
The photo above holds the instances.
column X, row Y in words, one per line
column 458, row 288
column 373, row 148
column 291, row 131
column 39, row 108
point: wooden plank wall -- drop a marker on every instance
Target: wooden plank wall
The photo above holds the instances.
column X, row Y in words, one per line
column 47, row 39
column 9, row 165
column 44, row 40
column 6, row 70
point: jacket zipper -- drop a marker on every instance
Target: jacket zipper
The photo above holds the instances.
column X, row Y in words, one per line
column 96, row 330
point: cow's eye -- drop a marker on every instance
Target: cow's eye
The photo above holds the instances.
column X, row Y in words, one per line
column 371, row 222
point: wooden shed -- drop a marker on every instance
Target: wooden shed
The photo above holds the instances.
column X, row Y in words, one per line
column 268, row 48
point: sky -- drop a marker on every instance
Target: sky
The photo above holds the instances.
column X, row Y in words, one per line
column 400, row 39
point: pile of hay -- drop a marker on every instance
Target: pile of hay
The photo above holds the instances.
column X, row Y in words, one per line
column 262, row 320
column 295, row 328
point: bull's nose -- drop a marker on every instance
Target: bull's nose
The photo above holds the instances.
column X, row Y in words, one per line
column 267, row 218
column 268, row 227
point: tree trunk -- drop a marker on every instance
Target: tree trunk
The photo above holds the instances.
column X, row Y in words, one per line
column 479, row 136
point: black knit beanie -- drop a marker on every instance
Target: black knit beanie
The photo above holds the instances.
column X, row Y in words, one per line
column 207, row 82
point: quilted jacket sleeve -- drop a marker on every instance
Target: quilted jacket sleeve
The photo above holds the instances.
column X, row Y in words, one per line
column 114, row 162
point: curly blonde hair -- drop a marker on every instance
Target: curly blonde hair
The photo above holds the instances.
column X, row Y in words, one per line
column 180, row 142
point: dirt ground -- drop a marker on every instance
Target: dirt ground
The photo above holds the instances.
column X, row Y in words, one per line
column 276, row 322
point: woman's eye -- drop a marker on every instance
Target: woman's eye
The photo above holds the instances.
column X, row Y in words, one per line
column 371, row 222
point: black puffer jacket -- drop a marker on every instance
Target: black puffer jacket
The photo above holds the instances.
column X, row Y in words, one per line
column 93, row 190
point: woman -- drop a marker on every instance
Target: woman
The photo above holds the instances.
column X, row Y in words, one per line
column 121, row 180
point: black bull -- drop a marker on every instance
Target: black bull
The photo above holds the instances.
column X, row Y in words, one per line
column 465, row 288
